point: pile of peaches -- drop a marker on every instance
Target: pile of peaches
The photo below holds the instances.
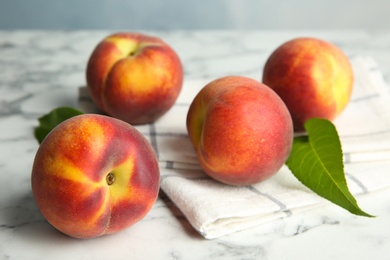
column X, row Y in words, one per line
column 96, row 174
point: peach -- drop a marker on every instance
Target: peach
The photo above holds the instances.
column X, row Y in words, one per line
column 94, row 175
column 134, row 77
column 241, row 130
column 313, row 77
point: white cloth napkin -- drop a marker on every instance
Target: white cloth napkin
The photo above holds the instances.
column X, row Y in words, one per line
column 215, row 209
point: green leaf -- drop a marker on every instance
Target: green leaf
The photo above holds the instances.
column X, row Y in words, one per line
column 317, row 161
column 52, row 119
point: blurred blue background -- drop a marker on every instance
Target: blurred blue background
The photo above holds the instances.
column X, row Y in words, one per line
column 194, row 14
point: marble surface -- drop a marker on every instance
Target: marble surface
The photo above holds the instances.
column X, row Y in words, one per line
column 41, row 70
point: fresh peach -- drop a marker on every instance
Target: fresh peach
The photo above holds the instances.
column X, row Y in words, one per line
column 94, row 175
column 241, row 130
column 313, row 77
column 134, row 77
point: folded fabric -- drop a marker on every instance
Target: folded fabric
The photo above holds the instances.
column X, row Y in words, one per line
column 215, row 209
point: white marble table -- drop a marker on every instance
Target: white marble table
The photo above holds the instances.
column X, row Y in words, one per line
column 41, row 70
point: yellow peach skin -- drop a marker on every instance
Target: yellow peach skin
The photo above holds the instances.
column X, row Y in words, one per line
column 94, row 175
column 241, row 130
column 313, row 77
column 134, row 77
